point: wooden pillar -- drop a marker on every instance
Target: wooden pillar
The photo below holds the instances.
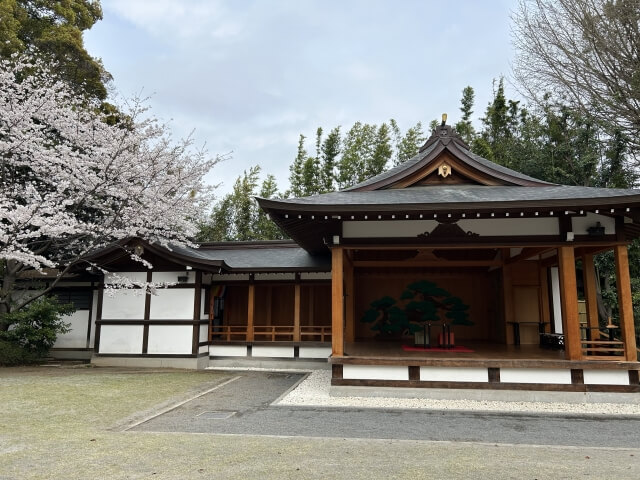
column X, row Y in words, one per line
column 350, row 325
column 267, row 307
column 337, row 301
column 197, row 313
column 590, row 295
column 623, row 284
column 543, row 292
column 507, row 296
column 296, row 310
column 569, row 303
column 251, row 299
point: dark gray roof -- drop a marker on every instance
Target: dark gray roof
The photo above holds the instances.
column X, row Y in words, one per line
column 397, row 169
column 257, row 257
column 438, row 197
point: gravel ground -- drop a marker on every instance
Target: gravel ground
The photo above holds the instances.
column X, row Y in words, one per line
column 314, row 391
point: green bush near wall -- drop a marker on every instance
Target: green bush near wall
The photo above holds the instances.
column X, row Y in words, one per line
column 26, row 335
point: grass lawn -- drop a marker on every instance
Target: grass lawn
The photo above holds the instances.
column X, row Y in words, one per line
column 66, row 423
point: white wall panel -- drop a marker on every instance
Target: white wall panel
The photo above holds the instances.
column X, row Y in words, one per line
column 77, row 337
column 124, row 304
column 375, row 372
column 170, row 339
column 606, row 377
column 314, row 352
column 228, row 350
column 133, row 276
column 172, row 304
column 172, row 277
column 204, row 333
column 511, row 226
column 581, row 224
column 555, row 300
column 386, row 228
column 272, row 351
column 121, row 338
column 453, row 374
column 535, row 375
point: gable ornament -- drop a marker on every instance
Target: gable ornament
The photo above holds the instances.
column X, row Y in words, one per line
column 444, row 170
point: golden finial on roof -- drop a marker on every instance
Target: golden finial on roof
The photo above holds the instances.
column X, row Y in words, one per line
column 444, row 119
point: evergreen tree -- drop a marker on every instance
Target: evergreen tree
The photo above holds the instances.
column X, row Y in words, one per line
column 407, row 145
column 237, row 217
column 54, row 29
column 330, row 151
column 464, row 127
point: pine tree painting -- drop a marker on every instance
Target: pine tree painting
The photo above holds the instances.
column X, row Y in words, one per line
column 422, row 302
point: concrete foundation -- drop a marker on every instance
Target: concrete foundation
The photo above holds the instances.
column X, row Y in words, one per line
column 485, row 395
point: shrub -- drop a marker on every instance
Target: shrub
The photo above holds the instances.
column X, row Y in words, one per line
column 32, row 331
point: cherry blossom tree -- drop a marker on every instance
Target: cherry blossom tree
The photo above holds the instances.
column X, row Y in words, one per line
column 74, row 180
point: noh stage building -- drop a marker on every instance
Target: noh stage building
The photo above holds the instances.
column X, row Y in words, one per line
column 447, row 271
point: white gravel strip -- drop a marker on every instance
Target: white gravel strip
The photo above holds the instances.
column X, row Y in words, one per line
column 314, row 391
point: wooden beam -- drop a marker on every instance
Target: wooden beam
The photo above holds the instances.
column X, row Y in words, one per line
column 527, row 253
column 605, row 244
column 251, row 308
column 569, row 303
column 337, row 301
column 422, row 263
column 590, row 295
column 296, row 310
column 623, row 284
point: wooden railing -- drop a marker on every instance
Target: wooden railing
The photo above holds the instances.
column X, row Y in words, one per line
column 273, row 332
column 319, row 333
column 270, row 333
column 602, row 349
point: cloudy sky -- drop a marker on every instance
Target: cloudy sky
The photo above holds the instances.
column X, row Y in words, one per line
column 250, row 76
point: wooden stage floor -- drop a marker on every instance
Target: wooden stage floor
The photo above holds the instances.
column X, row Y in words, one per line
column 481, row 350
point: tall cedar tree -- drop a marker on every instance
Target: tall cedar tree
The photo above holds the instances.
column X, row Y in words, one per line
column 54, row 29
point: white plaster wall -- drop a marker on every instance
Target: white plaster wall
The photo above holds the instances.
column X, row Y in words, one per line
column 204, row 333
column 375, row 372
column 203, row 349
column 451, row 374
column 606, row 377
column 272, row 351
column 170, row 339
column 274, row 276
column 172, row 304
column 172, row 277
column 228, row 350
column 314, row 352
column 77, row 337
column 386, row 228
column 511, row 226
column 94, row 316
column 125, row 304
column 121, row 339
column 315, row 276
column 203, row 315
column 555, row 300
column 483, row 227
column 535, row 375
column 133, row 276
column 580, row 225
